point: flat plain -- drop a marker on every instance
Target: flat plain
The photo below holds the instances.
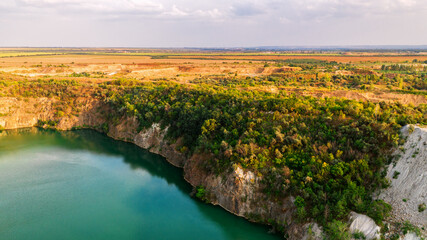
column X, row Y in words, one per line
column 374, row 76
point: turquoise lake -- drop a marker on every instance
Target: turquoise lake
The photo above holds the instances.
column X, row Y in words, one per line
column 84, row 185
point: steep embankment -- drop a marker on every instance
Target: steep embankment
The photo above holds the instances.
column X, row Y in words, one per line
column 27, row 112
column 15, row 113
column 408, row 175
column 239, row 191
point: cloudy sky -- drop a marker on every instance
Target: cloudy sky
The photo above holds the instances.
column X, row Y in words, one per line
column 211, row 23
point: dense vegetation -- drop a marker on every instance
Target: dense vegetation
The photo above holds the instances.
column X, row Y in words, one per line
column 327, row 152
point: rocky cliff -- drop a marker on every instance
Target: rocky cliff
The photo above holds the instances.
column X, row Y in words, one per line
column 239, row 191
column 21, row 113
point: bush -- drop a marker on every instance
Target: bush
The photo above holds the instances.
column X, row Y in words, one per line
column 359, row 235
column 379, row 210
column 337, row 230
column 201, row 193
column 422, row 207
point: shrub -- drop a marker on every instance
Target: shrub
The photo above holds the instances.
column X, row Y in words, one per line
column 201, row 193
column 337, row 230
column 379, row 210
column 396, row 174
column 359, row 235
column 422, row 207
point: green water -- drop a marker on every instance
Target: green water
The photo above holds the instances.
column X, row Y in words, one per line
column 83, row 185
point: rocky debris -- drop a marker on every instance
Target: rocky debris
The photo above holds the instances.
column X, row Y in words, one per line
column 364, row 224
column 411, row 236
column 308, row 231
column 314, row 232
column 408, row 177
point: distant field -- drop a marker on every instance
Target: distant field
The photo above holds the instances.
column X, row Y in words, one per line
column 213, row 54
column 50, row 57
column 19, row 54
column 336, row 58
column 220, row 55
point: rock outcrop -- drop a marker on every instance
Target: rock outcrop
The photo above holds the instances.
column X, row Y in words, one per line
column 364, row 224
column 240, row 192
column 153, row 139
column 21, row 113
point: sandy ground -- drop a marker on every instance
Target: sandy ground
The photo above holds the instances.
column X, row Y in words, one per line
column 182, row 70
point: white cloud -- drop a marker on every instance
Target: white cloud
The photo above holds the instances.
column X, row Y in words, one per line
column 341, row 8
column 291, row 10
column 214, row 13
column 97, row 6
column 115, row 8
column 176, row 12
column 211, row 22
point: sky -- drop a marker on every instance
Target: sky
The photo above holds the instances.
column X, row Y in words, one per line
column 211, row 23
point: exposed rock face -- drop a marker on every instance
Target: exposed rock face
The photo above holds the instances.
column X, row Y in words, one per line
column 23, row 113
column 91, row 115
column 153, row 139
column 17, row 113
column 239, row 192
column 364, row 224
column 409, row 178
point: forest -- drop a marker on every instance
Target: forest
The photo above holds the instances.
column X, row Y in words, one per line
column 328, row 152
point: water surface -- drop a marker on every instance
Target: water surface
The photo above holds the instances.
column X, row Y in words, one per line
column 84, row 185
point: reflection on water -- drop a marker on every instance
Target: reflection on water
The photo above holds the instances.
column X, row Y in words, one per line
column 84, row 185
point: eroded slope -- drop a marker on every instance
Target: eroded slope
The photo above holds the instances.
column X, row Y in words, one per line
column 408, row 175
